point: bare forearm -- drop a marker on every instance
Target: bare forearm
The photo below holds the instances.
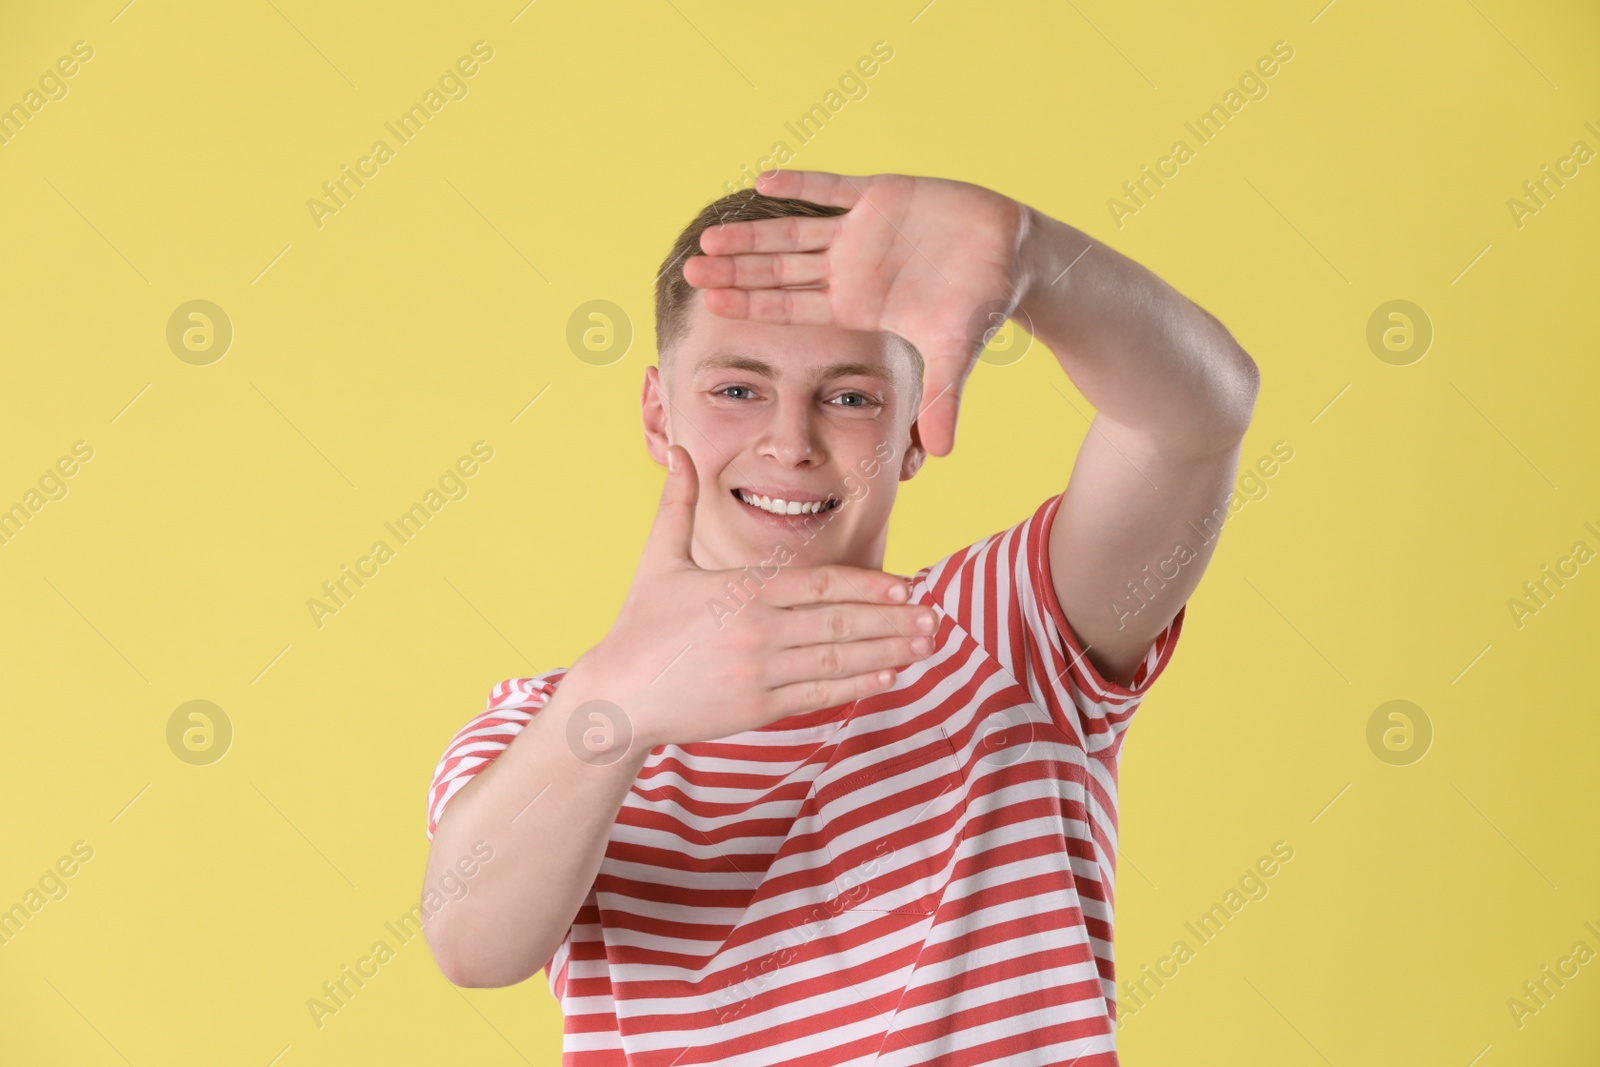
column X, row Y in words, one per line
column 1148, row 358
column 547, row 815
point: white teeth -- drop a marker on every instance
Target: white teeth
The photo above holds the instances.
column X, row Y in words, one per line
column 779, row 506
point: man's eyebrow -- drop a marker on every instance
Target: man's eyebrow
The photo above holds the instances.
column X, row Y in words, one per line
column 752, row 365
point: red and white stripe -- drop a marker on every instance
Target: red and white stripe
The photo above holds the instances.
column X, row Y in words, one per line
column 923, row 876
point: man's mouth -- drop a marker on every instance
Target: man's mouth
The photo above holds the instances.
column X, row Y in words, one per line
column 779, row 506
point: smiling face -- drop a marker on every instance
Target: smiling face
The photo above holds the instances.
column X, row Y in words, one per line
column 809, row 414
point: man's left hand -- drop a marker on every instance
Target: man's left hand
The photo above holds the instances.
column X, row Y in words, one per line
column 933, row 260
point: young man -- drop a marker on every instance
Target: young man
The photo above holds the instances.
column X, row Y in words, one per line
column 792, row 809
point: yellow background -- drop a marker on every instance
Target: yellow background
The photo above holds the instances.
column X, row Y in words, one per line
column 371, row 352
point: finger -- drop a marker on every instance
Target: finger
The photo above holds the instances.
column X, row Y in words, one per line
column 802, row 697
column 793, row 233
column 804, row 626
column 673, row 530
column 938, row 410
column 817, row 186
column 786, row 307
column 754, row 271
column 937, row 425
column 830, row 662
column 833, row 583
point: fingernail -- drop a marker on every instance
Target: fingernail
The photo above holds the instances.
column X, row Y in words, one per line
column 922, row 645
column 926, row 623
column 672, row 461
column 899, row 594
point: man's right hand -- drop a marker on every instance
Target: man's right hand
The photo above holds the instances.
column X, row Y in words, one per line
column 811, row 637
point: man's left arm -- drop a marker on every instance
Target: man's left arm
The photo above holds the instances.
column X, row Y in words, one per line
column 923, row 258
column 1173, row 394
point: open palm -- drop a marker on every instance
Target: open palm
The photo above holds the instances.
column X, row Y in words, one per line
column 933, row 260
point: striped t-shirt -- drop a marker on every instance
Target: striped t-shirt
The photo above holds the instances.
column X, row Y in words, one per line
column 921, row 876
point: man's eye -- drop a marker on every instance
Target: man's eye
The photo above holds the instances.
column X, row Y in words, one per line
column 866, row 401
column 723, row 391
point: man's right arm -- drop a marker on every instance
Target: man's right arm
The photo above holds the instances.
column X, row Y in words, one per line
column 814, row 638
column 547, row 814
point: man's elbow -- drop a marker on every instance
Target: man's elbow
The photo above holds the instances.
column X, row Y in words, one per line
column 1217, row 415
column 467, row 976
column 1237, row 383
column 1244, row 387
column 463, row 968
column 462, row 979
column 452, row 964
column 1233, row 383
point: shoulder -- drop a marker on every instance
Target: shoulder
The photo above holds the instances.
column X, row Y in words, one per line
column 511, row 705
column 999, row 590
column 528, row 694
column 987, row 569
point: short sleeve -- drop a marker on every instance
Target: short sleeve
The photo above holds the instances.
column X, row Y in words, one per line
column 1000, row 591
column 511, row 706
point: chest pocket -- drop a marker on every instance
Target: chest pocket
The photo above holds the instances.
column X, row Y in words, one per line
column 891, row 827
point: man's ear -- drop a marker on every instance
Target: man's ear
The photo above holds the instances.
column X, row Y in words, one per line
column 911, row 462
column 653, row 407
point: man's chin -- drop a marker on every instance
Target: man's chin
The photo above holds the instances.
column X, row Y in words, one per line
column 766, row 551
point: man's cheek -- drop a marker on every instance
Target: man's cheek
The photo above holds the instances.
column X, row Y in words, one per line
column 883, row 452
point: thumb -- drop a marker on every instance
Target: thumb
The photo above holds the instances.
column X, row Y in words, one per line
column 672, row 532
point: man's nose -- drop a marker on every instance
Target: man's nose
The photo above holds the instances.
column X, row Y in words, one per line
column 791, row 437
